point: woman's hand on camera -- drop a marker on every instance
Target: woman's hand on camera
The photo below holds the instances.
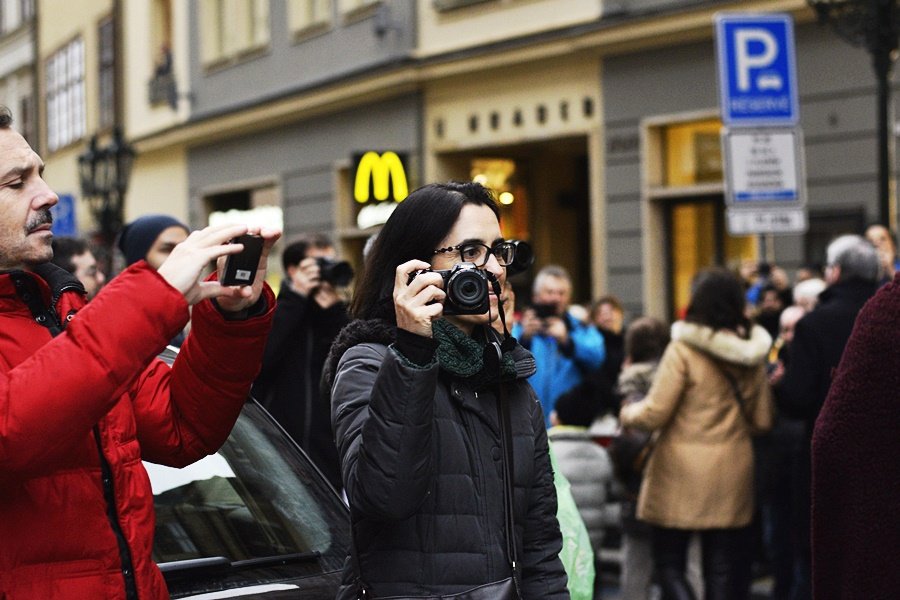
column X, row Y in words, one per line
column 418, row 302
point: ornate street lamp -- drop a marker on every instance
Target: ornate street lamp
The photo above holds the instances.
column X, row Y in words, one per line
column 104, row 174
column 874, row 25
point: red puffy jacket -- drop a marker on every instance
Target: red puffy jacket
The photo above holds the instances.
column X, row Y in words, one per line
column 99, row 386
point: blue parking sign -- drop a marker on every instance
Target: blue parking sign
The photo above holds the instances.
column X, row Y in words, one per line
column 64, row 216
column 757, row 72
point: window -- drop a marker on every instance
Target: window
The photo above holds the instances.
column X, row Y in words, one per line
column 27, row 8
column 26, row 120
column 352, row 5
column 65, row 95
column 233, row 27
column 305, row 14
column 441, row 5
column 107, row 53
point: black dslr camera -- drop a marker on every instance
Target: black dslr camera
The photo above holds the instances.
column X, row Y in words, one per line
column 466, row 287
column 337, row 273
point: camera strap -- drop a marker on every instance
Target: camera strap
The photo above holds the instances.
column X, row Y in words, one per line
column 508, row 340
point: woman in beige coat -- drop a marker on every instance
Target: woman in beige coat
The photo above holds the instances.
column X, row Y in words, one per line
column 709, row 396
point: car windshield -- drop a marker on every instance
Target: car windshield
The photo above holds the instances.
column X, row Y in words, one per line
column 257, row 498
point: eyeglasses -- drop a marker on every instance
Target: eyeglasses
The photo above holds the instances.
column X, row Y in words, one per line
column 479, row 254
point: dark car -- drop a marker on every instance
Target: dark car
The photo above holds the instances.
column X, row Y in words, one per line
column 255, row 520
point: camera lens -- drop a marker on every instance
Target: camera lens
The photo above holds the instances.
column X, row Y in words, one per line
column 337, row 273
column 467, row 289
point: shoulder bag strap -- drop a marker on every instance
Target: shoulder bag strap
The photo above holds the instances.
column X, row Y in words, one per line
column 508, row 471
column 736, row 390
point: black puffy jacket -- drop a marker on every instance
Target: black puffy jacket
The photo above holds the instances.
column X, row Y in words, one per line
column 421, row 462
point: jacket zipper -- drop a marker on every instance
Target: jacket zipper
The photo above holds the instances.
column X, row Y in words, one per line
column 49, row 318
column 112, row 514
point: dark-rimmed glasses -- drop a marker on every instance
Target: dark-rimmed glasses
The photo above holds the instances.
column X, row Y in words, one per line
column 479, row 254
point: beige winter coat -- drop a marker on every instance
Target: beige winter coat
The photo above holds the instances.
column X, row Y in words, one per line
column 700, row 475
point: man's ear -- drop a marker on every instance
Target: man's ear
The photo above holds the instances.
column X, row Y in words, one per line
column 291, row 270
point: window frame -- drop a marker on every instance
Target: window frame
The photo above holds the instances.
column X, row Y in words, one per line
column 64, row 77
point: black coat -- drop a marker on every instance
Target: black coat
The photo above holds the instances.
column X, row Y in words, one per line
column 421, row 462
column 819, row 340
column 288, row 382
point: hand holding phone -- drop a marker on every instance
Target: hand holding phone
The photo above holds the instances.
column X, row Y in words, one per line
column 240, row 268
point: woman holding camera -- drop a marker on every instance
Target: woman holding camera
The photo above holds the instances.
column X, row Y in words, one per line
column 417, row 386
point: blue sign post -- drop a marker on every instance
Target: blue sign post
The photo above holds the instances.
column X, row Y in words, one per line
column 757, row 72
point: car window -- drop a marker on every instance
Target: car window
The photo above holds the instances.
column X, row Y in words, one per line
column 258, row 497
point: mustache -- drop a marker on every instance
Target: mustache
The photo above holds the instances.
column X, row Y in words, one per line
column 43, row 217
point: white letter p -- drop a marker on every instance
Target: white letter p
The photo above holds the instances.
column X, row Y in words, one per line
column 746, row 61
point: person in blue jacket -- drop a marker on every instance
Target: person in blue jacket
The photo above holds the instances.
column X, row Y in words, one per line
column 564, row 348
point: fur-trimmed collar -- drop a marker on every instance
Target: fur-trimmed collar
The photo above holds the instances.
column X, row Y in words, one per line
column 723, row 344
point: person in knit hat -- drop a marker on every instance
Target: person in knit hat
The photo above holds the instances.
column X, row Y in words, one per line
column 151, row 238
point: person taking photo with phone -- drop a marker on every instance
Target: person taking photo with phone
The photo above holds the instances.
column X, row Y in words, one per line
column 84, row 400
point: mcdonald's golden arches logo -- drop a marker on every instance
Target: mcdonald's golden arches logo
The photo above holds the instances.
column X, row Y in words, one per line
column 380, row 176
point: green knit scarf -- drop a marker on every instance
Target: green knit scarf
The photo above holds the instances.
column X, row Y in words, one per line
column 463, row 356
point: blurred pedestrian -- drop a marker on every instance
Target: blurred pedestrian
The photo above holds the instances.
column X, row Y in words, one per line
column 418, row 420
column 886, row 245
column 608, row 316
column 646, row 339
column 75, row 256
column 577, row 554
column 309, row 315
column 780, row 473
column 709, row 396
column 852, row 274
column 564, row 348
column 806, row 293
column 768, row 313
column 583, row 462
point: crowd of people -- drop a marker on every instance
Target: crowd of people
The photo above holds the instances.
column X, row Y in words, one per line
column 449, row 415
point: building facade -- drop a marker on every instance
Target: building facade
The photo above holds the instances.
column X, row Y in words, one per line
column 18, row 64
column 598, row 124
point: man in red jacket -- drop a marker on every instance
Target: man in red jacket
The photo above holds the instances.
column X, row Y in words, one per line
column 83, row 399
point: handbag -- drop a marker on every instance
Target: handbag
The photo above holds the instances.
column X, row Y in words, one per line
column 505, row 589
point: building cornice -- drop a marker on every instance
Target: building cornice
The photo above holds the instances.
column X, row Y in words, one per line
column 613, row 35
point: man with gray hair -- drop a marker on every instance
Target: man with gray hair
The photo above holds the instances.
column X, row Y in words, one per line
column 564, row 348
column 852, row 275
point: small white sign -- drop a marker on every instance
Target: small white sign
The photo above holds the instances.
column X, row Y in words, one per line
column 763, row 166
column 743, row 221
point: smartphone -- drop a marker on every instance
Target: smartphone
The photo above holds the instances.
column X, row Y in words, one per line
column 240, row 268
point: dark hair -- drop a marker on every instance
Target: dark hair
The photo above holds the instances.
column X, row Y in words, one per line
column 5, row 118
column 296, row 251
column 413, row 231
column 64, row 248
column 717, row 300
column 575, row 409
column 646, row 339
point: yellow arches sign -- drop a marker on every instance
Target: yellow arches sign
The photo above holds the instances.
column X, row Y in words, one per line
column 381, row 176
